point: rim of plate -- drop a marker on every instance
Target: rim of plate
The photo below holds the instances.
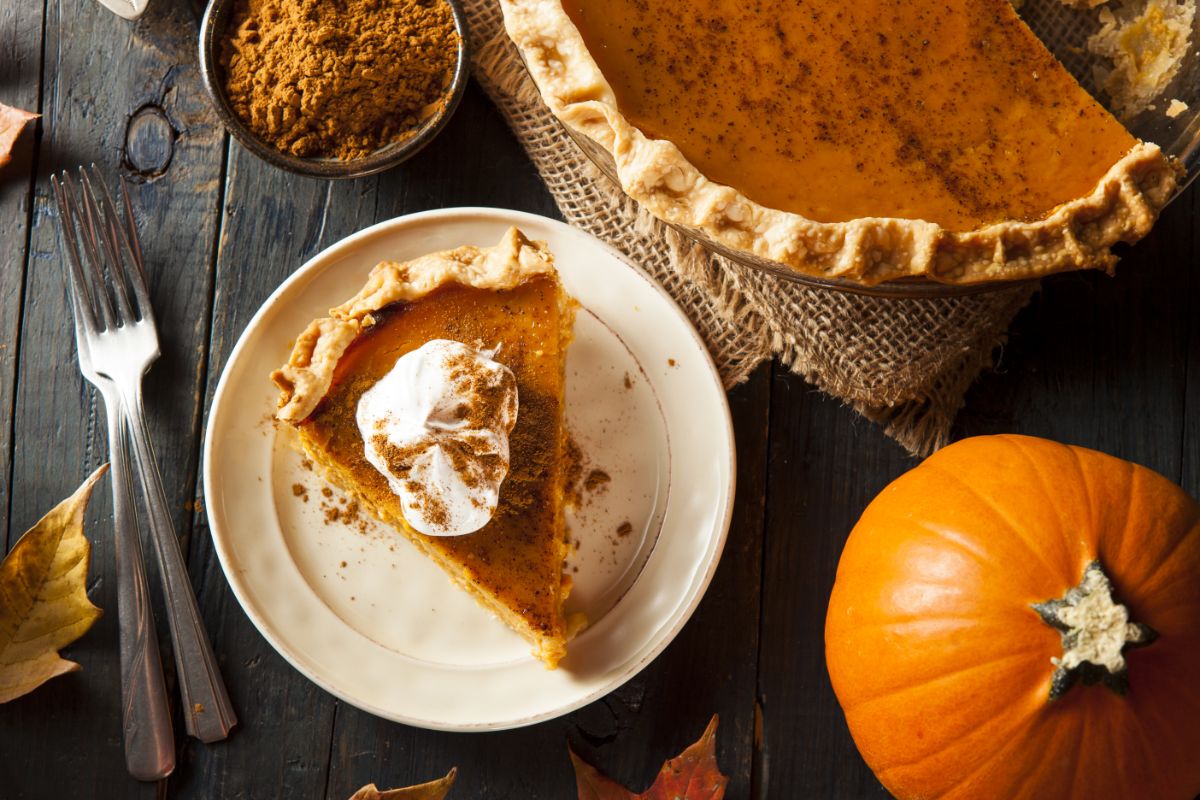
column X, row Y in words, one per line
column 677, row 618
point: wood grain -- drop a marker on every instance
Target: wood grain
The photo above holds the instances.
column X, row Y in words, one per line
column 825, row 464
column 87, row 98
column 20, row 87
column 1190, row 253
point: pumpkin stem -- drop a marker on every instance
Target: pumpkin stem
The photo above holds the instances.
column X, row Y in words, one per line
column 1096, row 632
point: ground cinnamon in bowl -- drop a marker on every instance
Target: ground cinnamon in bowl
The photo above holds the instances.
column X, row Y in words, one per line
column 338, row 80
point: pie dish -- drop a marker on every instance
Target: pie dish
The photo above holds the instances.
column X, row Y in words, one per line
column 505, row 298
column 868, row 141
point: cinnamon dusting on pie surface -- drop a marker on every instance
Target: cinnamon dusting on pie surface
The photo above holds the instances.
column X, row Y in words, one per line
column 869, row 109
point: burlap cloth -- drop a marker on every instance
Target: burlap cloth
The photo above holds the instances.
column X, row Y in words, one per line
column 905, row 363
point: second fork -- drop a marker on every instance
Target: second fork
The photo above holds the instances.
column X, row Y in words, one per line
column 145, row 713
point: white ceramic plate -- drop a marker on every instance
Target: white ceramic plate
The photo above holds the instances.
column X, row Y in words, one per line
column 355, row 608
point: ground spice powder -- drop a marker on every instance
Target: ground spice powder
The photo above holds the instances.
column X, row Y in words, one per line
column 337, row 78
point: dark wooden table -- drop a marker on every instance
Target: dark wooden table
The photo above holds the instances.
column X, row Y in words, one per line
column 1103, row 362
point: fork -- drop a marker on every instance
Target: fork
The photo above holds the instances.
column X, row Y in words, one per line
column 122, row 342
column 146, row 720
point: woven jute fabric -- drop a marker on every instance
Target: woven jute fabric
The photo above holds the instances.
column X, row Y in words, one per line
column 905, row 363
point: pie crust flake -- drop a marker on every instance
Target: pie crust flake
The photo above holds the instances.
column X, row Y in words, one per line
column 505, row 298
column 1117, row 184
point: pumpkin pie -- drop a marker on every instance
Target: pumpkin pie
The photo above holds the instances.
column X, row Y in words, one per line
column 869, row 141
column 506, row 301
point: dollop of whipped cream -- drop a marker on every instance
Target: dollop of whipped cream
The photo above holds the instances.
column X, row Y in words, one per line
column 437, row 427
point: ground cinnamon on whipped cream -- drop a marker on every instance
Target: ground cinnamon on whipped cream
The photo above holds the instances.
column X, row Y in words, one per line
column 437, row 427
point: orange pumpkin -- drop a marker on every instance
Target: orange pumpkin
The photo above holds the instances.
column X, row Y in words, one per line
column 1019, row 619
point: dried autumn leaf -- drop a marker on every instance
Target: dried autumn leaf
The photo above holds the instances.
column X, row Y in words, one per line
column 12, row 122
column 694, row 775
column 434, row 790
column 43, row 596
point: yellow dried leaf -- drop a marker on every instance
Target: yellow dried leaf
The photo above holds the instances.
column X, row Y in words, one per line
column 434, row 790
column 12, row 122
column 43, row 596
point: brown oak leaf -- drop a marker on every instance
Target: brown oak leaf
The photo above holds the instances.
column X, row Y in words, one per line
column 43, row 596
column 434, row 790
column 12, row 122
column 693, row 775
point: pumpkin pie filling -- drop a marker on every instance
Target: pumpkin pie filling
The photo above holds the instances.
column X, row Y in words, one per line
column 875, row 108
column 513, row 565
column 866, row 141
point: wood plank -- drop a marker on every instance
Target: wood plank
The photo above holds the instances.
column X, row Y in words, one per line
column 89, row 98
column 708, row 669
column 825, row 464
column 1189, row 477
column 21, row 66
column 1190, row 468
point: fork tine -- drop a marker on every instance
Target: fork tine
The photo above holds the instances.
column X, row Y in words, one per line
column 126, row 239
column 102, row 218
column 131, row 230
column 135, row 246
column 80, row 300
column 94, row 273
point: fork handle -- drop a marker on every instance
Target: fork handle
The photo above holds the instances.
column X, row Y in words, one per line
column 207, row 712
column 145, row 715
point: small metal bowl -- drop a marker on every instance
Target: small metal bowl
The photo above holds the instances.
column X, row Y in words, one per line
column 212, row 31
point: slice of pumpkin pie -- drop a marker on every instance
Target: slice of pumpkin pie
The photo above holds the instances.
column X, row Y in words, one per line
column 435, row 398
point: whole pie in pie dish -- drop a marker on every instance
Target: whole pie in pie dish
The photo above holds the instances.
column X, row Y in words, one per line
column 869, row 140
column 499, row 322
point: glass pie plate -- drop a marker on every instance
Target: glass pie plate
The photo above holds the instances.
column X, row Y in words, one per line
column 1065, row 31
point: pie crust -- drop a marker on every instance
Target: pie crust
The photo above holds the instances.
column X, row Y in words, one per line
column 1074, row 235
